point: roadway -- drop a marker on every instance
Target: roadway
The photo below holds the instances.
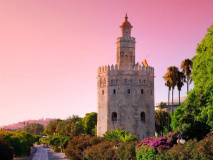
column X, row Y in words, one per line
column 44, row 153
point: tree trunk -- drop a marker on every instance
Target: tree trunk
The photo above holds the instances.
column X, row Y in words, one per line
column 168, row 108
column 172, row 100
column 179, row 97
column 187, row 83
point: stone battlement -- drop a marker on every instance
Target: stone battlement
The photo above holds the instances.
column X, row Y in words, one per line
column 136, row 67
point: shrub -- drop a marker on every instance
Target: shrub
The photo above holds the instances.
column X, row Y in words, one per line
column 21, row 141
column 6, row 151
column 202, row 150
column 75, row 146
column 101, row 151
column 126, row 150
column 151, row 147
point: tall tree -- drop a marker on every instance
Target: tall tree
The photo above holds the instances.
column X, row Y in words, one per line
column 168, row 84
column 171, row 77
column 161, row 118
column 195, row 114
column 180, row 82
column 187, row 66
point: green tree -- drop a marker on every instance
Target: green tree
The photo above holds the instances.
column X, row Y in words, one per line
column 161, row 118
column 89, row 123
column 180, row 82
column 34, row 128
column 6, row 151
column 119, row 135
column 51, row 127
column 195, row 115
column 187, row 65
column 171, row 79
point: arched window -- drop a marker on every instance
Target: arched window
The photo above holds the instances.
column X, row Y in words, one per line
column 143, row 119
column 141, row 91
column 128, row 91
column 114, row 116
column 139, row 81
column 130, row 80
column 114, row 91
column 103, row 92
column 144, row 81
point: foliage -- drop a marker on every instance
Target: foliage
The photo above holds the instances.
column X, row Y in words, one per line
column 51, row 127
column 75, row 146
column 57, row 140
column 202, row 150
column 89, row 123
column 126, row 150
column 187, row 66
column 72, row 126
column 6, row 151
column 161, row 118
column 21, row 141
column 149, row 148
column 101, row 151
column 119, row 136
column 34, row 128
column 195, row 115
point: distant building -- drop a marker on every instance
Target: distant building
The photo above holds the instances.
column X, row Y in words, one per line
column 21, row 125
column 175, row 103
column 126, row 91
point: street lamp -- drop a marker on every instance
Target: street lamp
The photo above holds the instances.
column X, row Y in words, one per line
column 180, row 139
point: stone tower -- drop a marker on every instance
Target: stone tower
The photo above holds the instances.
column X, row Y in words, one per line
column 126, row 91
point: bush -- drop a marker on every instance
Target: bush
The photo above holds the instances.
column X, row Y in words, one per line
column 126, row 150
column 6, row 151
column 149, row 148
column 21, row 141
column 202, row 150
column 101, row 151
column 75, row 146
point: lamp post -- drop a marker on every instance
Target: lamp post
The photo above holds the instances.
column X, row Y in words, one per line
column 180, row 139
column 85, row 147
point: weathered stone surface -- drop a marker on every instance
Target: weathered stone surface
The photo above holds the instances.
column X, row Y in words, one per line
column 128, row 90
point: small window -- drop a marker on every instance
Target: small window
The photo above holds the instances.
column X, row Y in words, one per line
column 111, row 81
column 114, row 91
column 125, row 80
column 116, row 81
column 141, row 91
column 103, row 92
column 143, row 119
column 114, row 116
column 139, row 81
column 144, row 81
column 128, row 91
column 130, row 80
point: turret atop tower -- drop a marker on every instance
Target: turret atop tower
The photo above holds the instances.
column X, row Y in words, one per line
column 126, row 28
column 126, row 45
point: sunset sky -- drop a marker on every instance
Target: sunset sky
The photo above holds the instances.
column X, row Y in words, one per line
column 50, row 50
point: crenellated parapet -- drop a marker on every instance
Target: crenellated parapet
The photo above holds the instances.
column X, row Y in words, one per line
column 135, row 67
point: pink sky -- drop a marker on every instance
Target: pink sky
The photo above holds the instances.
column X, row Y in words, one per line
column 50, row 50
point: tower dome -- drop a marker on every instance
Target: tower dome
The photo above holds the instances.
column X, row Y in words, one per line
column 126, row 22
column 126, row 28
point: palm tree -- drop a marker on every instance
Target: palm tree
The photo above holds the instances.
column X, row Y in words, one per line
column 187, row 66
column 172, row 79
column 180, row 82
column 161, row 118
column 166, row 77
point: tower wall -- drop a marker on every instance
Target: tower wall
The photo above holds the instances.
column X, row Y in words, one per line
column 115, row 82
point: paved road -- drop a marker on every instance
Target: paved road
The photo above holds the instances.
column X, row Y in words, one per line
column 44, row 153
